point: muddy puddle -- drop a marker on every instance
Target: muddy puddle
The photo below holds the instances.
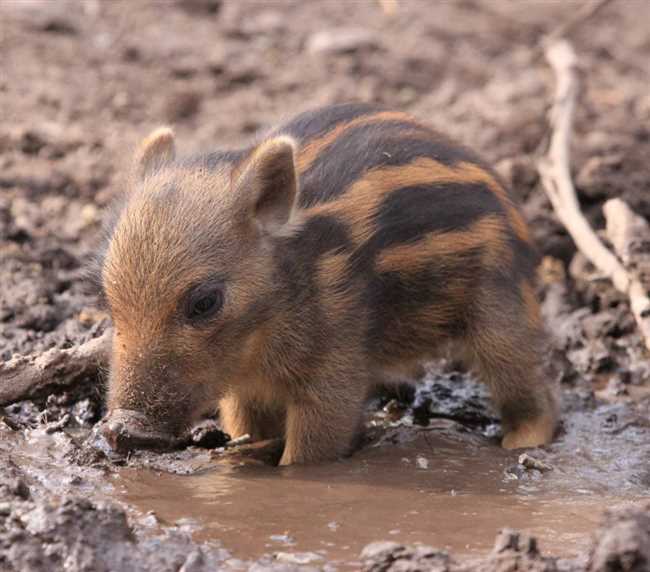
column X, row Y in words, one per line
column 442, row 485
column 430, row 473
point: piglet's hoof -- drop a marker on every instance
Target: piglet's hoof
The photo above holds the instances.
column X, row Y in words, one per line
column 267, row 452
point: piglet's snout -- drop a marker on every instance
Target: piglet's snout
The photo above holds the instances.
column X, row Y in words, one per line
column 126, row 430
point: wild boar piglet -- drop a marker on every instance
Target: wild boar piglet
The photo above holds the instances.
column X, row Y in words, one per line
column 283, row 281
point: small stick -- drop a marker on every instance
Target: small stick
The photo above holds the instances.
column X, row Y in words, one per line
column 629, row 234
column 23, row 377
column 555, row 171
column 584, row 13
column 556, row 179
column 241, row 440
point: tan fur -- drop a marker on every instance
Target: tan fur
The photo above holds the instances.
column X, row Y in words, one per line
column 250, row 182
column 332, row 273
column 488, row 231
column 156, row 150
column 242, row 414
column 531, row 305
column 531, row 434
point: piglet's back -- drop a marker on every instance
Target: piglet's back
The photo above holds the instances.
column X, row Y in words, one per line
column 416, row 221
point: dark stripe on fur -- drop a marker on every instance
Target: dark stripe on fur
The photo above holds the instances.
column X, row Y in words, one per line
column 396, row 298
column 410, row 213
column 298, row 293
column 297, row 257
column 312, row 124
column 369, row 146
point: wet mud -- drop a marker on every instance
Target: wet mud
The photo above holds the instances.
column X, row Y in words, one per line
column 429, row 489
column 425, row 476
column 437, row 488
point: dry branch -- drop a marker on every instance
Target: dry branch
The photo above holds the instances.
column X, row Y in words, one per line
column 555, row 173
column 629, row 234
column 585, row 12
column 28, row 376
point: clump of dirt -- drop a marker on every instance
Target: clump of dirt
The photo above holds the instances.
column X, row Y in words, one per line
column 622, row 544
column 512, row 551
column 78, row 535
column 57, row 412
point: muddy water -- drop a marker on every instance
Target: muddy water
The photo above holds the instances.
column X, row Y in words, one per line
column 445, row 485
column 438, row 486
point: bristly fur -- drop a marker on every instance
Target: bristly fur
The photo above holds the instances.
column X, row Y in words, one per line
column 345, row 248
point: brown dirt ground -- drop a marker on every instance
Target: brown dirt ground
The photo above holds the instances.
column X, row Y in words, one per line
column 82, row 82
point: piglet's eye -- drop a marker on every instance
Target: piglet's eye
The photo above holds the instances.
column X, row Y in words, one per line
column 203, row 302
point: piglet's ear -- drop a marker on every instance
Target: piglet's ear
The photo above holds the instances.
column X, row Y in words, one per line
column 155, row 151
column 267, row 183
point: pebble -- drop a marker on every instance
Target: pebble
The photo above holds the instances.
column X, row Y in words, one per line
column 341, row 41
column 532, row 463
column 375, row 550
column 297, row 557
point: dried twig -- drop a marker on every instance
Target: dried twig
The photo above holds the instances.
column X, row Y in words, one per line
column 555, row 173
column 27, row 376
column 584, row 13
column 629, row 234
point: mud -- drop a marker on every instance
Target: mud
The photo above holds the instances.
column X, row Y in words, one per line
column 425, row 476
column 620, row 544
column 82, row 82
column 429, row 488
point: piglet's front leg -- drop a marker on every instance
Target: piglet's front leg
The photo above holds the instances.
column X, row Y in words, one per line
column 323, row 428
